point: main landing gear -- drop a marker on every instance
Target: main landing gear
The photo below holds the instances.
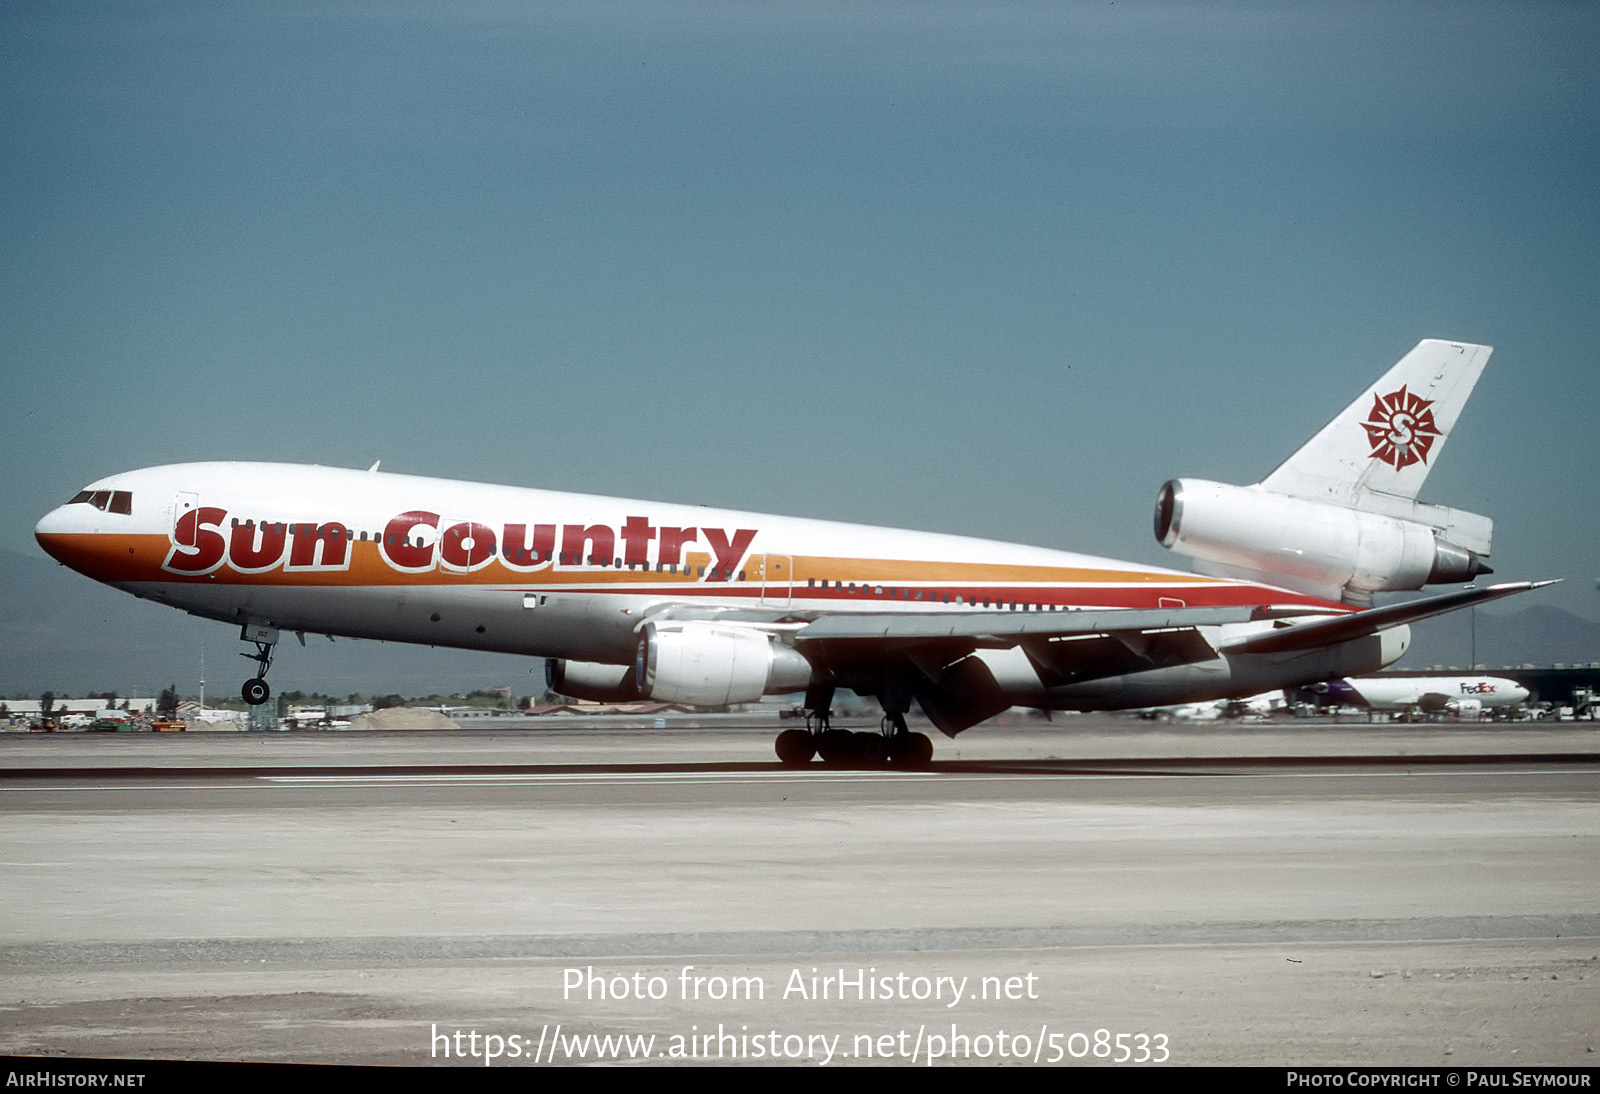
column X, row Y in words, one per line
column 892, row 746
column 255, row 690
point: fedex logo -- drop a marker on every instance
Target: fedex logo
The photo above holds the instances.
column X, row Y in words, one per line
column 1481, row 688
column 418, row 541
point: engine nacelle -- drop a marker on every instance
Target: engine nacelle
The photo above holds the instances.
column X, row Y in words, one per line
column 711, row 664
column 589, row 680
column 1312, row 546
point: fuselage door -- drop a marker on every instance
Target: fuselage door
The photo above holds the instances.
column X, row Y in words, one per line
column 776, row 580
column 465, row 545
column 185, row 535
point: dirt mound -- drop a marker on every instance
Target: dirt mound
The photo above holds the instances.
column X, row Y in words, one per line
column 402, row 718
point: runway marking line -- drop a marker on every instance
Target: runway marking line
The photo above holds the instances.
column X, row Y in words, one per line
column 255, row 781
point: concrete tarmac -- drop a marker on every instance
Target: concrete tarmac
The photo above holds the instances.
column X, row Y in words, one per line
column 1266, row 894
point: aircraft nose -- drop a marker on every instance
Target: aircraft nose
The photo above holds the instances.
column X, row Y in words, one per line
column 53, row 525
column 68, row 535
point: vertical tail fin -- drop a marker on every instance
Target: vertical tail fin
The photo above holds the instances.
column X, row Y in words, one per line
column 1340, row 517
column 1386, row 441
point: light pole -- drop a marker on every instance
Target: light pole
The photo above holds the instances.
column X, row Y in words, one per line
column 1472, row 664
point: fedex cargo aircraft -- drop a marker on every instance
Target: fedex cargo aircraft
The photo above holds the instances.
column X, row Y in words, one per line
column 644, row 600
column 1466, row 695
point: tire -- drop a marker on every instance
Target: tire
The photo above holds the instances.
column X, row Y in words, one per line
column 917, row 751
column 872, row 748
column 255, row 691
column 837, row 747
column 795, row 747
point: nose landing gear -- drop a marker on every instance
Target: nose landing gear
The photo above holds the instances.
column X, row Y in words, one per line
column 255, row 690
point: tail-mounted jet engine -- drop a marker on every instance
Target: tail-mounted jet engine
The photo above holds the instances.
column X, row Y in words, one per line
column 1327, row 550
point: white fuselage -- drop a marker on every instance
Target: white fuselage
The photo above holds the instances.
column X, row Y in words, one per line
column 573, row 576
column 1434, row 692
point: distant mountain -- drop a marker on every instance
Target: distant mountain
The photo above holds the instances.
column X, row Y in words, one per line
column 1538, row 635
column 61, row 632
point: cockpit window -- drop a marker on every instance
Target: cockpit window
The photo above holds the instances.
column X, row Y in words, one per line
column 112, row 501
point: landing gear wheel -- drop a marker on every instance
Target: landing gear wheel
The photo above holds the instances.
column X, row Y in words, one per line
column 263, row 638
column 911, row 750
column 795, row 747
column 872, row 749
column 836, row 746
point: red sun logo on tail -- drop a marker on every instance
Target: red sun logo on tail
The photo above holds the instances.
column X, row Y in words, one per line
column 1401, row 428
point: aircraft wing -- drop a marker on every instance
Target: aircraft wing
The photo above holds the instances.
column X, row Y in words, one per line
column 933, row 651
column 931, row 655
column 935, row 657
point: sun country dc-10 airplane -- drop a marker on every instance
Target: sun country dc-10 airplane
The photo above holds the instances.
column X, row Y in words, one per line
column 644, row 600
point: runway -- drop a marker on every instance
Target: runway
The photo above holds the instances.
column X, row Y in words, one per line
column 1271, row 894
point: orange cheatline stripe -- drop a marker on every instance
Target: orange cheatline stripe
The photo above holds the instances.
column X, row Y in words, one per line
column 138, row 558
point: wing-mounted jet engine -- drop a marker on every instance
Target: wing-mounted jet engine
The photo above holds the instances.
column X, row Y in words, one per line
column 697, row 662
column 1339, row 519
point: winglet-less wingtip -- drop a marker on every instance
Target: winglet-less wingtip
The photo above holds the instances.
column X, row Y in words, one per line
column 1344, row 628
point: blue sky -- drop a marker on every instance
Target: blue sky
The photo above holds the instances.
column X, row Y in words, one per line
column 990, row 268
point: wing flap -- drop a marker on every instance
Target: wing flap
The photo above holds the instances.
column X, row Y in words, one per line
column 1070, row 659
column 993, row 628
